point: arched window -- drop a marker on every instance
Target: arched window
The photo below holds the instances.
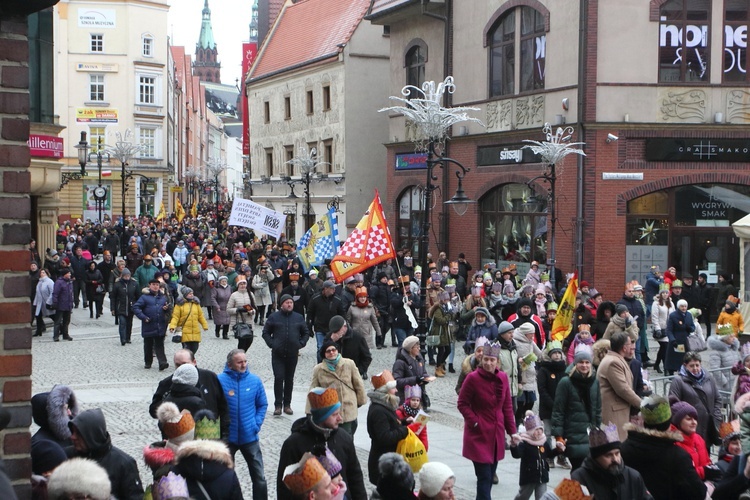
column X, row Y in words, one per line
column 684, row 41
column 414, row 62
column 410, row 209
column 518, row 35
column 513, row 225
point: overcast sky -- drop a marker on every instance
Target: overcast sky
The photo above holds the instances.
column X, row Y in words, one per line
column 230, row 20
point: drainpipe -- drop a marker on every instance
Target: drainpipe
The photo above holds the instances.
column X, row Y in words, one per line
column 581, row 164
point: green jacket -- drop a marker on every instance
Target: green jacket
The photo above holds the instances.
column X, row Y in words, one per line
column 144, row 274
column 570, row 417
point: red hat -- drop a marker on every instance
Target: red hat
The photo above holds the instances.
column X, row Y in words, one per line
column 584, row 284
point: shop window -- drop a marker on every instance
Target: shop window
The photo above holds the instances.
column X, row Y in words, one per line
column 684, row 41
column 736, row 17
column 409, row 222
column 513, row 225
column 518, row 36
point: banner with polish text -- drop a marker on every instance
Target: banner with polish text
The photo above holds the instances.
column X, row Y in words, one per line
column 369, row 244
column 564, row 319
column 262, row 220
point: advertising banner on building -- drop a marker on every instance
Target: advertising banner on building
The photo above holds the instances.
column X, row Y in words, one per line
column 249, row 50
column 263, row 220
column 96, row 115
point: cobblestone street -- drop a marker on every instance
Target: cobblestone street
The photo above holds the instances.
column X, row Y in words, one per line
column 107, row 375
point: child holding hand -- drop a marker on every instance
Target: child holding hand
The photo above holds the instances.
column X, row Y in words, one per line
column 534, row 450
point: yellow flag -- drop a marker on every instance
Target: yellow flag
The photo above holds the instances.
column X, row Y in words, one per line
column 162, row 213
column 564, row 319
column 194, row 210
column 179, row 211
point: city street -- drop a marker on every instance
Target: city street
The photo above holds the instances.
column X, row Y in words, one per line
column 106, row 375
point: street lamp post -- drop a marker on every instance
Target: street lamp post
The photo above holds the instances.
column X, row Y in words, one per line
column 84, row 156
column 306, row 161
column 425, row 111
column 214, row 168
column 124, row 150
column 553, row 150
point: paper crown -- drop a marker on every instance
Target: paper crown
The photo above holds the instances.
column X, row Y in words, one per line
column 293, row 276
column 436, row 278
column 745, row 351
column 497, row 287
column 531, row 421
column 570, row 489
column 480, row 342
column 207, row 428
column 655, row 410
column 328, row 460
column 677, row 284
column 404, row 279
column 512, row 267
column 323, row 402
column 492, row 350
column 694, row 312
column 303, row 476
column 383, row 379
column 729, row 431
column 551, row 306
column 450, row 287
column 734, row 300
column 544, row 277
column 170, row 486
column 606, row 436
column 360, row 292
column 554, row 345
column 663, row 287
column 584, row 327
column 727, row 329
column 412, row 391
column 505, row 270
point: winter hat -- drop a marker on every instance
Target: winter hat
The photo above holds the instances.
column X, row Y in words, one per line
column 728, row 431
column 583, row 352
column 171, row 486
column 285, row 297
column 223, row 278
column 532, row 422
column 325, row 345
column 603, row 440
column 482, row 310
column 185, row 374
column 396, row 477
column 185, row 291
column 157, row 455
column 526, row 329
column 524, row 302
column 46, row 455
column 323, row 402
column 410, row 342
column 302, row 477
column 313, row 272
column 206, row 425
column 177, row 426
column 680, row 410
column 432, row 477
column 412, row 391
column 444, row 296
column 731, row 306
column 80, row 477
column 655, row 411
column 504, row 327
column 554, row 346
column 335, row 324
column 600, row 349
column 620, row 308
column 383, row 381
column 327, row 459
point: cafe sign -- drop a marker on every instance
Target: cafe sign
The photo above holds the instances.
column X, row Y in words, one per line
column 506, row 154
column 698, row 150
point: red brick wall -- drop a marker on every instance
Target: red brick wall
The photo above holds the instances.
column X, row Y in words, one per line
column 15, row 231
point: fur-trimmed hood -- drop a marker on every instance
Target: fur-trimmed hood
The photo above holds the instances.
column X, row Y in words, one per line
column 214, row 451
column 675, row 436
column 716, row 343
column 79, row 476
column 743, row 403
column 57, row 413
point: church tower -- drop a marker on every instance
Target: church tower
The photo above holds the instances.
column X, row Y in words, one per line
column 207, row 66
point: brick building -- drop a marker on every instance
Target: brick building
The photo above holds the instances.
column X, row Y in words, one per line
column 658, row 91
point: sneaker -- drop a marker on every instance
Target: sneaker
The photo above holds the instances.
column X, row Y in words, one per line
column 550, row 462
column 562, row 461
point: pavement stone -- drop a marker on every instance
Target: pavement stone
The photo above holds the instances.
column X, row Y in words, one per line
column 112, row 377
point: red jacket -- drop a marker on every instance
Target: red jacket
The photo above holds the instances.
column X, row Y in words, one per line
column 418, row 429
column 696, row 448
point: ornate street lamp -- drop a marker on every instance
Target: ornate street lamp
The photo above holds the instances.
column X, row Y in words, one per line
column 306, row 161
column 423, row 108
column 214, row 168
column 83, row 155
column 553, row 150
column 124, row 150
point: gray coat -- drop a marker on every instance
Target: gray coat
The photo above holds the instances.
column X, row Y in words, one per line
column 43, row 297
column 260, row 288
column 686, row 389
column 722, row 355
column 219, row 299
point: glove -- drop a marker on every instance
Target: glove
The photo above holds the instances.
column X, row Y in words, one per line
column 712, row 473
column 674, row 344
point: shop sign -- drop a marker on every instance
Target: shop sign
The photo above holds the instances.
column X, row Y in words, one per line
column 506, row 154
column 97, row 18
column 698, row 150
column 411, row 161
column 622, row 176
column 96, row 115
column 98, row 67
column 46, row 146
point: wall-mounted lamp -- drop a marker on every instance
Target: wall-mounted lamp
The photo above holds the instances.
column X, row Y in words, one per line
column 566, row 104
column 612, row 138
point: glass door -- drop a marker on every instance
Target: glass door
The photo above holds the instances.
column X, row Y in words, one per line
column 712, row 251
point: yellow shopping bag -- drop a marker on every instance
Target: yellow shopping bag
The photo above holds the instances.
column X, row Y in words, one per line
column 413, row 451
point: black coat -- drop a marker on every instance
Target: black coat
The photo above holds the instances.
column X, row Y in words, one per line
column 534, row 466
column 321, row 309
column 304, row 437
column 734, row 482
column 186, row 397
column 121, row 468
column 213, row 395
column 123, row 295
column 635, row 309
column 385, row 431
column 285, row 333
column 548, row 376
column 209, row 463
column 353, row 345
column 604, row 486
column 666, row 468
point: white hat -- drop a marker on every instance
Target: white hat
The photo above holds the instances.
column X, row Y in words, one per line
column 432, row 477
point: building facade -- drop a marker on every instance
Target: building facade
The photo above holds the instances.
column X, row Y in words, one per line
column 112, row 78
column 661, row 107
column 317, row 82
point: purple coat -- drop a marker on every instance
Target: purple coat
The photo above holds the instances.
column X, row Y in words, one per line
column 485, row 403
column 62, row 295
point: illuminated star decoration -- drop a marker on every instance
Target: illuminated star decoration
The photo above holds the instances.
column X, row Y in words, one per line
column 648, row 232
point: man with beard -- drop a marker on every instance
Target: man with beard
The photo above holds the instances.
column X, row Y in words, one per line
column 603, row 471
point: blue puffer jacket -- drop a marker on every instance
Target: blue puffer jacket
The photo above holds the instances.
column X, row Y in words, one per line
column 246, row 399
column 149, row 309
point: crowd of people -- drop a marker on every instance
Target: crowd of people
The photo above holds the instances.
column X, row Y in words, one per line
column 584, row 403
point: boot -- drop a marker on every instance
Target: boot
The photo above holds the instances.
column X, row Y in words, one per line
column 562, row 461
column 440, row 370
column 450, row 368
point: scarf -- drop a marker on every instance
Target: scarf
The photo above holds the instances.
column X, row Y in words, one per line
column 508, row 346
column 409, row 411
column 526, row 437
column 698, row 379
column 333, row 363
column 390, row 401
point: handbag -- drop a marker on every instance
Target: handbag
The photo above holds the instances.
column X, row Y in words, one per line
column 241, row 329
column 99, row 288
column 413, row 451
column 696, row 343
column 658, row 333
column 177, row 335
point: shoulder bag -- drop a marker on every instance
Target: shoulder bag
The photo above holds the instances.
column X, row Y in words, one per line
column 241, row 329
column 177, row 335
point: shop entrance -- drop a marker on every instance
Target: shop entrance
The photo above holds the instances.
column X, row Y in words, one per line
column 712, row 251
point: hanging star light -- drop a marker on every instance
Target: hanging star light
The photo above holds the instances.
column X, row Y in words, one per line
column 648, row 232
column 425, row 110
